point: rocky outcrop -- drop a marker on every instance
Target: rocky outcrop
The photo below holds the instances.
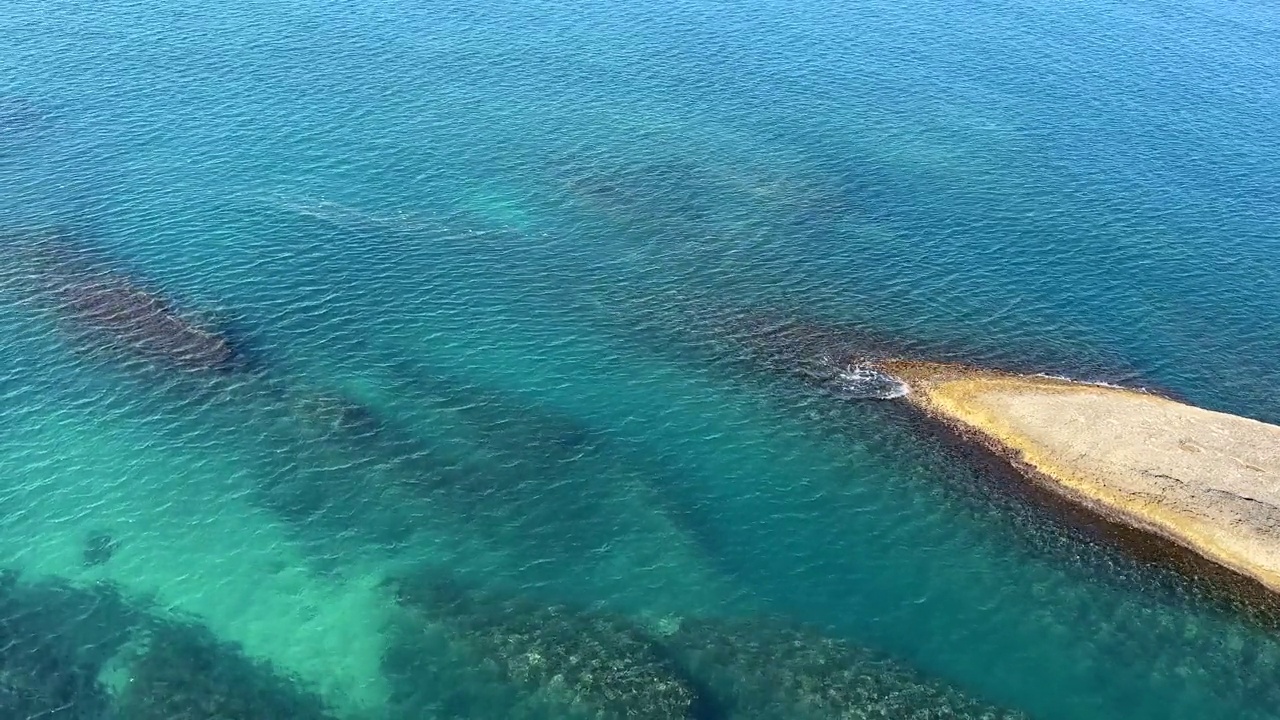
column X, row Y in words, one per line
column 1205, row 480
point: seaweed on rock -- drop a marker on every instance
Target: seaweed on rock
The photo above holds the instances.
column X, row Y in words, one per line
column 554, row 661
column 182, row 672
column 765, row 670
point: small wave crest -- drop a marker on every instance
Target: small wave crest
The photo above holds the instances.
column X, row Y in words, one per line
column 864, row 381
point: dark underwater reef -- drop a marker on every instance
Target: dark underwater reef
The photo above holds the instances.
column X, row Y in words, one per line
column 765, row 669
column 420, row 449
column 499, row 459
column 493, row 466
column 111, row 310
column 517, row 657
column 182, row 672
column 55, row 640
column 456, row 650
column 497, row 465
column 462, row 651
column 85, row 653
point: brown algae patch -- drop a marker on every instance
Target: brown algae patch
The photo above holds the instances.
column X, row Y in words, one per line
column 1206, row 480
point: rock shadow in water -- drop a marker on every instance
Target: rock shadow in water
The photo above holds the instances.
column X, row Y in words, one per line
column 332, row 469
column 649, row 191
column 544, row 483
column 494, row 462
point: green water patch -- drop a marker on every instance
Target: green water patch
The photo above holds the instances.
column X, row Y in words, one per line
column 185, row 538
column 563, row 500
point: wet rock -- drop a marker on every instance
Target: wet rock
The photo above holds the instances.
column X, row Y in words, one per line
column 99, row 548
column 182, row 672
column 760, row 669
column 566, row 661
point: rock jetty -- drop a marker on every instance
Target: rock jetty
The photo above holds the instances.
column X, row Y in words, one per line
column 1205, row 480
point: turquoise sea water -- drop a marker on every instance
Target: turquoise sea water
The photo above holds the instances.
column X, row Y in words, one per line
column 526, row 294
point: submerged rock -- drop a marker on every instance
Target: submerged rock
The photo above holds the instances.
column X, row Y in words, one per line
column 758, row 669
column 54, row 641
column 38, row 682
column 323, row 414
column 84, row 653
column 116, row 311
column 182, row 672
column 99, row 548
column 571, row 662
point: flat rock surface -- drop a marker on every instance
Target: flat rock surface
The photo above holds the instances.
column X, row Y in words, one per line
column 1206, row 480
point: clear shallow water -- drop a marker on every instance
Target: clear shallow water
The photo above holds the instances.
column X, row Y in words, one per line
column 549, row 251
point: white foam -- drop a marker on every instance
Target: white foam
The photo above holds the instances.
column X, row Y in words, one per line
column 866, row 381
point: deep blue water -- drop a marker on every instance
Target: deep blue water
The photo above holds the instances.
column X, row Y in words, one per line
column 546, row 248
